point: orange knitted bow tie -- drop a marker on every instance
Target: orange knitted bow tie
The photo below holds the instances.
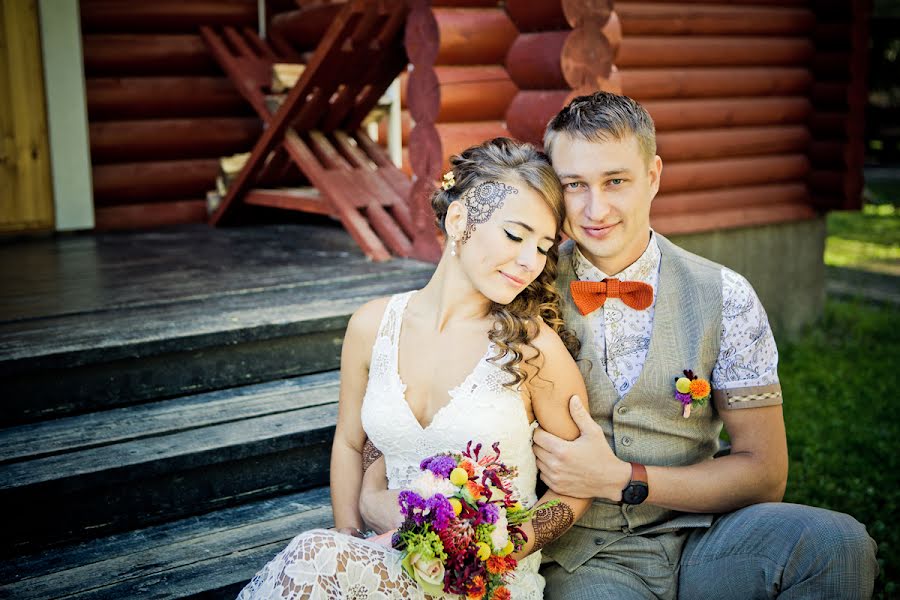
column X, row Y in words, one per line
column 591, row 295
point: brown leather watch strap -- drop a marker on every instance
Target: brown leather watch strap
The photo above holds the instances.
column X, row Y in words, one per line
column 638, row 472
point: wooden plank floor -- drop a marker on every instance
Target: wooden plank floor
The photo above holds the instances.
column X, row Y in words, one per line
column 89, row 273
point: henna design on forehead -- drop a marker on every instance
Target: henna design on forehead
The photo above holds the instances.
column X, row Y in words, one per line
column 369, row 455
column 550, row 522
column 481, row 202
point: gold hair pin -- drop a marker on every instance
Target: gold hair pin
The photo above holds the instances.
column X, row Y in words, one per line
column 449, row 180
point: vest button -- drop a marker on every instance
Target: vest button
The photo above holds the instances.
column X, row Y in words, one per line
column 626, row 441
column 599, row 541
column 622, row 410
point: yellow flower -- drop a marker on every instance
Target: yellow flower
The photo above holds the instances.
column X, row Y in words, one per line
column 458, row 476
column 699, row 389
column 457, row 506
column 683, row 385
column 484, row 551
column 507, row 550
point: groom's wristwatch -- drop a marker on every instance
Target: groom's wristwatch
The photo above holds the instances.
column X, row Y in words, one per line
column 637, row 489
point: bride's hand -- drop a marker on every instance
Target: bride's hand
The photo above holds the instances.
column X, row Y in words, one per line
column 378, row 505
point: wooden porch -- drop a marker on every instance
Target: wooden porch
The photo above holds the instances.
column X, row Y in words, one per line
column 169, row 402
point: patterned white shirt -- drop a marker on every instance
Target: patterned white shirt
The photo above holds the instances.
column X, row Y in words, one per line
column 747, row 353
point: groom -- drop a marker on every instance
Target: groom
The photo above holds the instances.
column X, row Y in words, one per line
column 667, row 520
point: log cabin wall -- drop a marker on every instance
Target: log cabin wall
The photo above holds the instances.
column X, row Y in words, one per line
column 160, row 110
column 475, row 88
column 839, row 96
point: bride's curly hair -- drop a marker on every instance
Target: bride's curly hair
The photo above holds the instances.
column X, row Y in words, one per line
column 515, row 324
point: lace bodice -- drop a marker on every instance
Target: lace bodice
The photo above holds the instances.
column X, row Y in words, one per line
column 480, row 409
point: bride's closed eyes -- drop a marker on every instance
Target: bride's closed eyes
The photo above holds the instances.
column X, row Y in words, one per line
column 517, row 239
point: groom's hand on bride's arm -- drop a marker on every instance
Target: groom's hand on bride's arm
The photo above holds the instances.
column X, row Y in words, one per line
column 585, row 467
column 377, row 504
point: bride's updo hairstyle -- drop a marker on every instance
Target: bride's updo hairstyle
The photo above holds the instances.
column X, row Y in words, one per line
column 516, row 323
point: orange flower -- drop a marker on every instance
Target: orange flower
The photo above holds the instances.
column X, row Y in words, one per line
column 699, row 389
column 501, row 593
column 468, row 466
column 476, row 489
column 476, row 589
column 497, row 565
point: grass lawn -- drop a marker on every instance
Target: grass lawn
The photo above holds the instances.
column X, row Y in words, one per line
column 841, row 384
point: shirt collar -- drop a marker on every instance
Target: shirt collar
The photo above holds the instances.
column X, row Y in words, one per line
column 643, row 269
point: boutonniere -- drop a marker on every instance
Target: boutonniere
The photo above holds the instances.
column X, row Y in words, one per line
column 691, row 389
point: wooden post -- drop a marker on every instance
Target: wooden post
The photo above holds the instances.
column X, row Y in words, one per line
column 422, row 44
column 26, row 197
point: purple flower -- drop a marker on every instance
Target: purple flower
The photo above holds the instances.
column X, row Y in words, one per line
column 440, row 465
column 440, row 512
column 683, row 398
column 489, row 513
column 412, row 505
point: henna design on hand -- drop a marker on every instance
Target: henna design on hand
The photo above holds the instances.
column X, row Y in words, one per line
column 481, row 202
column 369, row 454
column 550, row 522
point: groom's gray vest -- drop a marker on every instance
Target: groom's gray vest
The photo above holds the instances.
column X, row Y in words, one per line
column 646, row 425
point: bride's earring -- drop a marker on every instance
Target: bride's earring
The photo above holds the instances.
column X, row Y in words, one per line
column 452, row 246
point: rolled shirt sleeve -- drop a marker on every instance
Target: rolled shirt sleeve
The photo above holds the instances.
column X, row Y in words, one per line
column 746, row 370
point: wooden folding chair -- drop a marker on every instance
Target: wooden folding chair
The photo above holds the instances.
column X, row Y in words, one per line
column 317, row 128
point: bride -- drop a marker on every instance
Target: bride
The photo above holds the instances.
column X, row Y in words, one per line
column 487, row 328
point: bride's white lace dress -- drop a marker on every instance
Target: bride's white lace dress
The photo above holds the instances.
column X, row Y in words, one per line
column 324, row 564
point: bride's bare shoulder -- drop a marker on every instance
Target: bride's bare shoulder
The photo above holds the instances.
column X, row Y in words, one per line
column 365, row 321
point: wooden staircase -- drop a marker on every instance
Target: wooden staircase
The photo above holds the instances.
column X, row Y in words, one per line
column 170, row 400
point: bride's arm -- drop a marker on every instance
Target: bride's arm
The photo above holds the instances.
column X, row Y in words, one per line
column 349, row 436
column 550, row 389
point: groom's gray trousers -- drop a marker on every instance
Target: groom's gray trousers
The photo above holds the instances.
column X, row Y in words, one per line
column 762, row 551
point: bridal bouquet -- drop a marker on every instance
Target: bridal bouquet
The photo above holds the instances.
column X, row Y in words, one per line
column 461, row 525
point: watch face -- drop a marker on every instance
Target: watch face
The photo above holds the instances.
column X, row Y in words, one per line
column 635, row 493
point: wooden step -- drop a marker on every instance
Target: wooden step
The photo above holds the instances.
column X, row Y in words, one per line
column 209, row 556
column 129, row 319
column 93, row 474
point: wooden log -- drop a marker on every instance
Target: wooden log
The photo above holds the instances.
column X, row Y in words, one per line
column 164, row 16
column 149, row 215
column 580, row 12
column 835, row 126
column 684, row 51
column 303, row 28
column 128, row 55
column 706, row 144
column 732, row 218
column 532, row 64
column 648, row 84
column 711, row 174
column 473, row 36
column 153, row 181
column 700, row 202
column 586, row 58
column 529, row 16
column 837, row 155
column 846, row 183
column 741, row 2
column 131, row 141
column 724, row 112
column 832, row 36
column 832, row 95
column 162, row 97
column 456, row 137
column 467, row 3
column 469, row 93
column 831, row 66
column 533, row 60
column 649, row 18
column 531, row 110
column 285, row 76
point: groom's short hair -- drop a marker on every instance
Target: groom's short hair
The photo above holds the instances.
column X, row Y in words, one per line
column 603, row 116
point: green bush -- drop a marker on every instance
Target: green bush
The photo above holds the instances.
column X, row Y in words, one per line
column 841, row 385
